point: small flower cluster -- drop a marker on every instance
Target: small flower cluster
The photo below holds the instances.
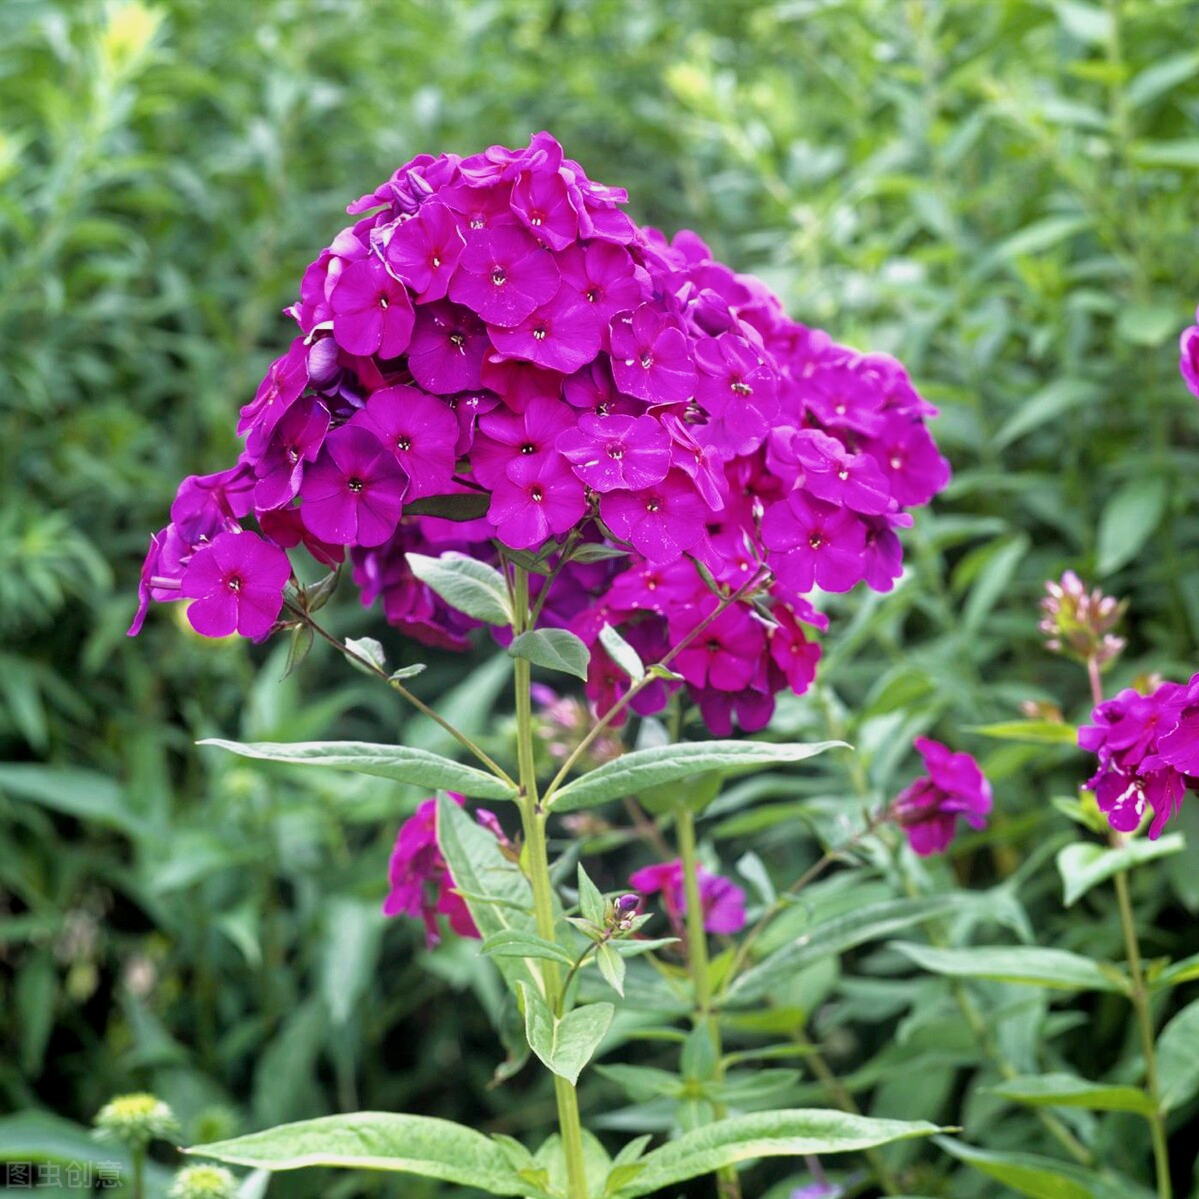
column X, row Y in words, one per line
column 495, row 330
column 1079, row 623
column 421, row 884
column 928, row 808
column 723, row 902
column 1148, row 749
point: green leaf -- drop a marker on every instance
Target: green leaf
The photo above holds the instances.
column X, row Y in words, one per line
column 85, row 794
column 1048, row 404
column 1039, row 236
column 1181, row 152
column 1149, row 325
column 1183, row 971
column 664, row 764
column 1087, row 22
column 994, row 579
column 421, row 1145
column 591, row 902
column 835, row 936
column 368, row 650
column 612, row 967
column 554, row 649
column 1067, row 1090
column 594, row 552
column 622, row 653
column 496, row 892
column 407, row 672
column 565, row 1046
column 1038, row 732
column 1178, row 1058
column 1031, row 964
column 397, row 762
column 512, row 943
column 1163, row 76
column 1084, row 864
column 1127, row 520
column 472, row 587
column 1042, row 1177
column 461, row 506
column 788, row 1133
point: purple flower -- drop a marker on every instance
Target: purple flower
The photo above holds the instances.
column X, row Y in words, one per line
column 617, row 452
column 541, row 200
column 420, row 881
column 372, row 313
column 424, row 251
column 833, row 473
column 605, row 277
column 928, row 808
column 503, row 275
column 236, row 582
column 448, row 344
column 1147, row 754
column 538, row 498
column 723, row 902
column 504, row 437
column 739, row 388
column 662, row 522
column 650, row 358
column 725, row 655
column 420, row 430
column 353, row 494
column 1189, row 356
column 813, row 542
column 561, row 336
column 296, row 439
column 284, row 382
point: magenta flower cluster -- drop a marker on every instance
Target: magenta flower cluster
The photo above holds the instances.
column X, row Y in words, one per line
column 1148, row 749
column 928, row 808
column 722, row 901
column 1189, row 356
column 496, row 326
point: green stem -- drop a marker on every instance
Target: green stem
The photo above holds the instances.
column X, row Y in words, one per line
column 699, row 967
column 139, row 1172
column 1140, row 1003
column 537, row 865
column 844, row 1100
column 397, row 686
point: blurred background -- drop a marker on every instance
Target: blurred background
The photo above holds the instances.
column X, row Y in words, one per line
column 1003, row 193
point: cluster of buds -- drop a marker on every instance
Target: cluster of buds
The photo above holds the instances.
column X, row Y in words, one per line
column 136, row 1120
column 1079, row 623
column 563, row 722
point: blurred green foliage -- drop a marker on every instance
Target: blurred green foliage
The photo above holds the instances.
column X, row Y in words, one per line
column 1005, row 194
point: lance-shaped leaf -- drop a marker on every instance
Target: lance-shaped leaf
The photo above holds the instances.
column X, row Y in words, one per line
column 472, row 587
column 645, row 768
column 554, row 649
column 421, row 1145
column 1068, row 1090
column 565, row 1045
column 398, row 762
column 869, row 923
column 622, row 653
column 496, row 892
column 1056, row 968
column 1044, row 1177
column 1178, row 1057
column 787, row 1133
column 1083, row 864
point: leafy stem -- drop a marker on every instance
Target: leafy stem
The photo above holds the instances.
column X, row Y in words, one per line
column 485, row 759
column 536, row 863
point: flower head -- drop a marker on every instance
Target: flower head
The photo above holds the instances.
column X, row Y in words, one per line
column 1079, row 623
column 928, row 809
column 203, row 1182
column 136, row 1120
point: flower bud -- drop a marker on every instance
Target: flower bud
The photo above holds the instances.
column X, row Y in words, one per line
column 1078, row 623
column 136, row 1120
column 203, row 1182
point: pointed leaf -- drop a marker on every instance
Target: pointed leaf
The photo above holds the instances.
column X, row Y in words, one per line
column 1067, row 1090
column 554, row 649
column 1085, row 864
column 787, row 1133
column 472, row 587
column 622, row 653
column 367, row 650
column 1127, row 521
column 868, row 923
column 591, row 902
column 612, row 967
column 397, row 762
column 1030, row 964
column 421, row 1145
column 565, row 1046
column 1039, row 732
column 509, row 943
column 1178, row 1058
column 644, row 768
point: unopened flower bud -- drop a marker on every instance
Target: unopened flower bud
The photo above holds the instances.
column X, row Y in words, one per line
column 203, row 1182
column 136, row 1120
column 1078, row 623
